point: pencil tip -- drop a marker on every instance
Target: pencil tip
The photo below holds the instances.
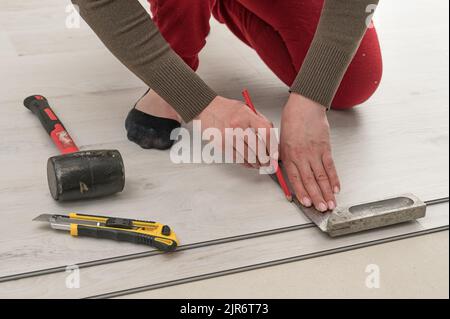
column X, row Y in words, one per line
column 289, row 198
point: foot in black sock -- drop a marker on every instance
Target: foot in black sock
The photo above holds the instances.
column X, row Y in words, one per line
column 150, row 131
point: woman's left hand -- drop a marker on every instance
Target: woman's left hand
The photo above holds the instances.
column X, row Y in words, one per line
column 306, row 153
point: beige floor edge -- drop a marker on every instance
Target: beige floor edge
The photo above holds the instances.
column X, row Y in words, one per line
column 150, row 253
column 399, row 279
column 137, row 290
column 131, row 257
column 157, row 271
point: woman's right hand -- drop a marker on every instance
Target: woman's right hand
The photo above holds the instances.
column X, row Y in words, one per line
column 225, row 114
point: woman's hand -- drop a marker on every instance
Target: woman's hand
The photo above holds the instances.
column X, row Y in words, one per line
column 306, row 153
column 225, row 114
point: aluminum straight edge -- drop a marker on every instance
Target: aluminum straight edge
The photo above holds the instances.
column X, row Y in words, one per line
column 225, row 240
column 265, row 264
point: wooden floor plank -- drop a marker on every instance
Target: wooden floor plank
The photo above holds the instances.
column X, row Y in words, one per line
column 381, row 150
column 7, row 49
column 161, row 269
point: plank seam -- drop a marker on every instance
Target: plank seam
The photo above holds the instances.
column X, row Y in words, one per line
column 203, row 244
column 151, row 253
column 266, row 264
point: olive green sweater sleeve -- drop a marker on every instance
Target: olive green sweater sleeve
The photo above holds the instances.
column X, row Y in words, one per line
column 342, row 26
column 129, row 33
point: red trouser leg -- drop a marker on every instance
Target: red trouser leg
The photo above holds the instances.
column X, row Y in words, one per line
column 184, row 24
column 281, row 34
column 279, row 31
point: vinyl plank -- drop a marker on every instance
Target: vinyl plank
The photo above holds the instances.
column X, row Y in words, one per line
column 371, row 148
column 20, row 6
column 209, row 208
column 34, row 15
column 7, row 49
column 162, row 270
column 39, row 27
column 314, row 278
column 59, row 75
column 40, row 42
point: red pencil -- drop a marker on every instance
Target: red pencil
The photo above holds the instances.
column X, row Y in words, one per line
column 279, row 173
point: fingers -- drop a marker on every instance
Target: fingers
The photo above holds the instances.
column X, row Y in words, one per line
column 250, row 145
column 246, row 165
column 245, row 149
column 271, row 140
column 264, row 151
column 241, row 156
column 330, row 168
column 324, row 183
column 245, row 144
column 311, row 185
column 252, row 138
column 296, row 182
column 262, row 127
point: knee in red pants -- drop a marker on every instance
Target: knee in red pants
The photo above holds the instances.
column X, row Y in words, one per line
column 184, row 24
column 363, row 76
column 282, row 38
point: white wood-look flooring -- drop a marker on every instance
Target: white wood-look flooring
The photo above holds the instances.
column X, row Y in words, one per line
column 395, row 143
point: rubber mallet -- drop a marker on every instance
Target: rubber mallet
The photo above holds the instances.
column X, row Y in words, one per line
column 76, row 174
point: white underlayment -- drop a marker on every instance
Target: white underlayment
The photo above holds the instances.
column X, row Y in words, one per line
column 395, row 143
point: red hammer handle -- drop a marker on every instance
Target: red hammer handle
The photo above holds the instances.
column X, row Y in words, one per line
column 40, row 107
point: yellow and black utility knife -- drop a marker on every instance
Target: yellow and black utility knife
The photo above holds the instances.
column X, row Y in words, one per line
column 148, row 233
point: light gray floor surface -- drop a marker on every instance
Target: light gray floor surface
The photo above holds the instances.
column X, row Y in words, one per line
column 410, row 268
column 395, row 143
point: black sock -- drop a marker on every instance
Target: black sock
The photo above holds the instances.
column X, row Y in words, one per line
column 150, row 131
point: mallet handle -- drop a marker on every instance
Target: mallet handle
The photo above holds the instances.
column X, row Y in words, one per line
column 40, row 107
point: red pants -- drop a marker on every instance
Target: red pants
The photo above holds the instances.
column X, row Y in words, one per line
column 279, row 31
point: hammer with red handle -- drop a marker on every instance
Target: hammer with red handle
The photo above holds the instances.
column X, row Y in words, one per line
column 76, row 174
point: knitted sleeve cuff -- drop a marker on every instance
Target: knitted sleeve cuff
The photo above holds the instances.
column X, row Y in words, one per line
column 181, row 87
column 321, row 73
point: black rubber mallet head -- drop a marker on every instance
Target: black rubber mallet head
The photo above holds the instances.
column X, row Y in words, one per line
column 76, row 174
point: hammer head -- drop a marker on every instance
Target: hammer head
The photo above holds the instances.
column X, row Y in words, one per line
column 86, row 174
